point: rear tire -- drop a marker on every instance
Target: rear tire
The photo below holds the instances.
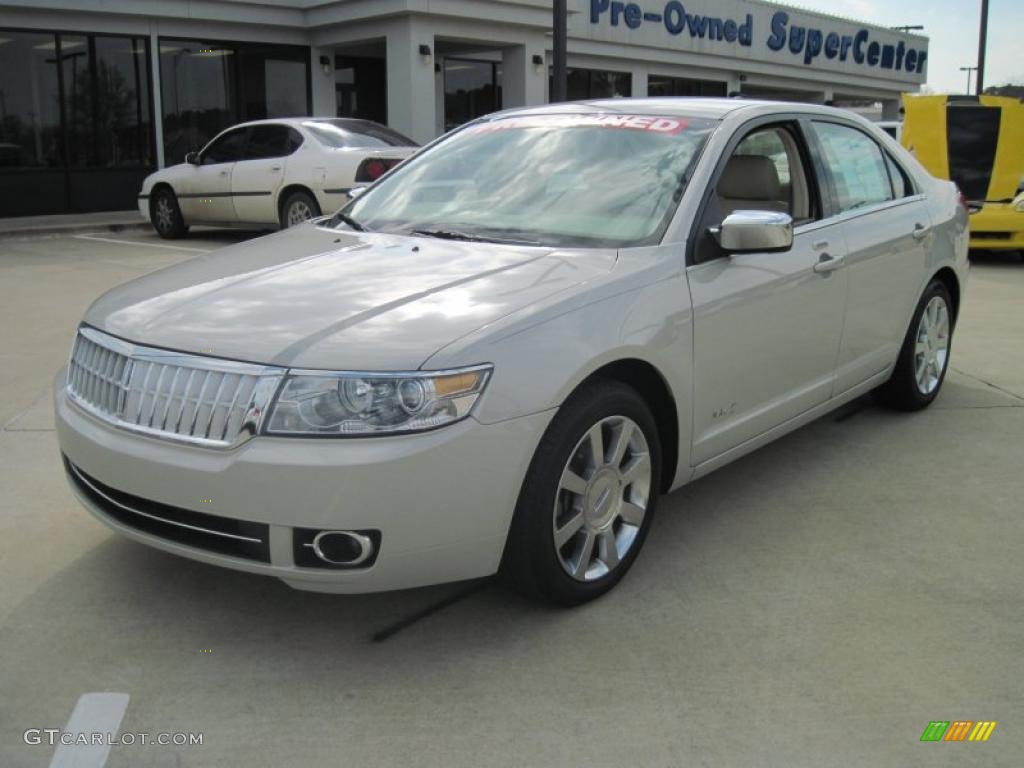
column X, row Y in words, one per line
column 924, row 358
column 165, row 215
column 298, row 207
column 589, row 497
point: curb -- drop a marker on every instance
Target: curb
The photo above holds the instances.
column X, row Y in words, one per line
column 60, row 230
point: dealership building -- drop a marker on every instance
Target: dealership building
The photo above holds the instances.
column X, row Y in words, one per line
column 95, row 94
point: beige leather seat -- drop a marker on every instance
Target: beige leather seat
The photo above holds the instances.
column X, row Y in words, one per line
column 751, row 182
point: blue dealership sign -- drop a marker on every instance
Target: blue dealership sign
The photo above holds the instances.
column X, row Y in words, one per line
column 810, row 45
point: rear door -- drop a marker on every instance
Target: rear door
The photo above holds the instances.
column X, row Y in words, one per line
column 258, row 176
column 766, row 325
column 886, row 226
column 206, row 188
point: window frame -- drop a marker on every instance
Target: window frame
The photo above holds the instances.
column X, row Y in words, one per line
column 811, row 161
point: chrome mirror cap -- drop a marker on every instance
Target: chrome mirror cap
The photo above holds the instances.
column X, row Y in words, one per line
column 754, row 232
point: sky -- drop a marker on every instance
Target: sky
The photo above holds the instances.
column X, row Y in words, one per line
column 952, row 28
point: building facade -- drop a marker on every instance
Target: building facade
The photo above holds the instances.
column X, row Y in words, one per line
column 95, row 94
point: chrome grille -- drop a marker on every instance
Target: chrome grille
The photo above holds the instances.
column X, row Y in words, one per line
column 176, row 396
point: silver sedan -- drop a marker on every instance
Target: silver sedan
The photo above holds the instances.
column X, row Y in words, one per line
column 497, row 357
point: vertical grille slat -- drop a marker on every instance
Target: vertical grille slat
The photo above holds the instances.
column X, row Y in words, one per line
column 166, row 394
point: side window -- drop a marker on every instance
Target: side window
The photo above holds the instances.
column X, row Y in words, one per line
column 269, row 141
column 856, row 164
column 901, row 185
column 227, row 148
column 765, row 172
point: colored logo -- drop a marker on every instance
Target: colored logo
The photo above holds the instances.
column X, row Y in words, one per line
column 958, row 730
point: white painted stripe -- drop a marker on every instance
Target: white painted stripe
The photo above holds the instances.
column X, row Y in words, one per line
column 136, row 242
column 93, row 713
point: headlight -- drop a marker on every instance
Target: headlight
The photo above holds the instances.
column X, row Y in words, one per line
column 1019, row 204
column 353, row 404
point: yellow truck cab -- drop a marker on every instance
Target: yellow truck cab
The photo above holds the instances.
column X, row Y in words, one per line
column 977, row 142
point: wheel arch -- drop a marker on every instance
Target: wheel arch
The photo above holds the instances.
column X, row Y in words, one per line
column 287, row 189
column 649, row 382
column 948, row 277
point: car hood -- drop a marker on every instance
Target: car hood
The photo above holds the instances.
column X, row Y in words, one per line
column 314, row 297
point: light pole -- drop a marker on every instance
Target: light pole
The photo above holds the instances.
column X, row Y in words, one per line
column 558, row 53
column 979, row 83
column 968, row 70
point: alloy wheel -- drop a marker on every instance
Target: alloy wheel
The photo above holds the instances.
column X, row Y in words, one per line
column 164, row 214
column 931, row 348
column 602, row 498
column 298, row 212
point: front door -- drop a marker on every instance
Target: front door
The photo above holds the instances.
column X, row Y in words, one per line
column 767, row 326
column 205, row 195
column 257, row 177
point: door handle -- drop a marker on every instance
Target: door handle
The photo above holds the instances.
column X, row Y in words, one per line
column 224, row 173
column 920, row 231
column 275, row 168
column 827, row 264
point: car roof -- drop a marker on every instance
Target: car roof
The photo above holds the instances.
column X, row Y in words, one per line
column 714, row 108
column 302, row 120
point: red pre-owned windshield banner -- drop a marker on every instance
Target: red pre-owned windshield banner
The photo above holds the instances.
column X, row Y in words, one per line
column 651, row 123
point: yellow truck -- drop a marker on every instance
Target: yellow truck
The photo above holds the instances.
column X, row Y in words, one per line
column 977, row 142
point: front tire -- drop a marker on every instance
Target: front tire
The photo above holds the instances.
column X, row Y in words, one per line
column 165, row 215
column 298, row 208
column 589, row 497
column 924, row 357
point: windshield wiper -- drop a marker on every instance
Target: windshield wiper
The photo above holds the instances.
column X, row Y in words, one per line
column 346, row 219
column 454, row 234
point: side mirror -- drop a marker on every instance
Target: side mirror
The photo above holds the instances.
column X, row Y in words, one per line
column 754, row 232
column 192, row 158
column 355, row 192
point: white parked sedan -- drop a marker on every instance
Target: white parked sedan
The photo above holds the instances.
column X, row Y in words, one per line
column 271, row 172
column 499, row 355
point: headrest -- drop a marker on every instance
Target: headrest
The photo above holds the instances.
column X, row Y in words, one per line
column 750, row 177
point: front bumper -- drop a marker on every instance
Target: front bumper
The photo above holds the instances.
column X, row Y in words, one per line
column 442, row 500
column 997, row 226
column 143, row 203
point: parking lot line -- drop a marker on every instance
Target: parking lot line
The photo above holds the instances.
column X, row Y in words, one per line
column 136, row 242
column 94, row 713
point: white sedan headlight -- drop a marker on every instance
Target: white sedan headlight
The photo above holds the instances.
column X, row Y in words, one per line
column 354, row 404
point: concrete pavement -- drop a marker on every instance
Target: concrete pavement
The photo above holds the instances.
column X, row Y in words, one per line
column 816, row 603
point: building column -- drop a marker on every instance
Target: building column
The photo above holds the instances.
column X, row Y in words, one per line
column 891, row 109
column 638, row 84
column 411, row 84
column 325, row 98
column 733, row 85
column 522, row 81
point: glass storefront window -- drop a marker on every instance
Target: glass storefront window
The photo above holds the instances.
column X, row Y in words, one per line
column 207, row 87
column 75, row 121
column 198, row 92
column 597, row 84
column 274, row 81
column 471, row 90
column 122, row 105
column 662, row 85
column 30, row 134
column 76, row 74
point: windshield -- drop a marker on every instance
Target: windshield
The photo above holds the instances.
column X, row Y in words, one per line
column 590, row 180
column 356, row 134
